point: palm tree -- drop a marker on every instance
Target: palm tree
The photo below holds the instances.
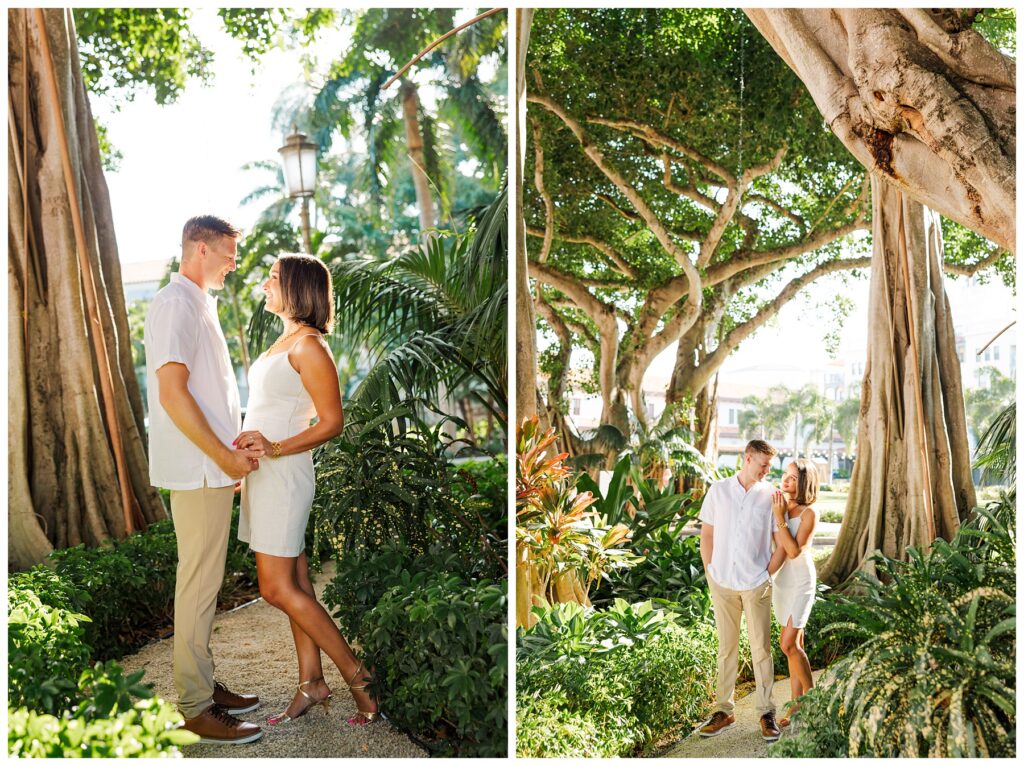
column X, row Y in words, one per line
column 435, row 313
column 396, row 127
column 765, row 417
column 846, row 417
column 432, row 317
column 818, row 415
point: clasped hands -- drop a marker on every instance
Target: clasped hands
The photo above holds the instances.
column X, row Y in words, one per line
column 254, row 442
column 249, row 446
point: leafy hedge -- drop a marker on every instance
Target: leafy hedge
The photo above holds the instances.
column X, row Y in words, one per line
column 126, row 587
column 93, row 604
column 609, row 683
column 934, row 674
column 420, row 544
column 437, row 640
column 58, row 706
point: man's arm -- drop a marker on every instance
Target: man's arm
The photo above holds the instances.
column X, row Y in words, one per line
column 184, row 411
column 707, row 544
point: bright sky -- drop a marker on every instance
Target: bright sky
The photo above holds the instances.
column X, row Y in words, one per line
column 186, row 158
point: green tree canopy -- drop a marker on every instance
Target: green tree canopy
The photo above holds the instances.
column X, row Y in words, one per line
column 681, row 173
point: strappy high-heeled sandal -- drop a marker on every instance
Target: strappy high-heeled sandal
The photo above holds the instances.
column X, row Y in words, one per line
column 280, row 718
column 369, row 716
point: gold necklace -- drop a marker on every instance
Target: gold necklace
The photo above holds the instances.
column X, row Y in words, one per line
column 277, row 343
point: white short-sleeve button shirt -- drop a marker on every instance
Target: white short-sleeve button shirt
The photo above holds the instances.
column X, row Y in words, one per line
column 182, row 326
column 743, row 525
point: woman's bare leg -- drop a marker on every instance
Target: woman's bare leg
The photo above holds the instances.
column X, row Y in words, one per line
column 279, row 586
column 791, row 641
column 310, row 665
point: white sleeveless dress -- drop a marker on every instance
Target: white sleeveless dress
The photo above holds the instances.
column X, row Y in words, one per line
column 277, row 497
column 795, row 583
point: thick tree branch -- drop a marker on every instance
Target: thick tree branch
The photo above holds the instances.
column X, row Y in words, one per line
column 556, row 383
column 970, row 269
column 570, row 285
column 640, row 205
column 538, row 180
column 656, row 138
column 603, row 247
column 946, row 142
column 743, row 331
column 743, row 260
column 966, row 53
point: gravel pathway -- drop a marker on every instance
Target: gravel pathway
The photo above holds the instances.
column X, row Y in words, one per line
column 743, row 740
column 254, row 653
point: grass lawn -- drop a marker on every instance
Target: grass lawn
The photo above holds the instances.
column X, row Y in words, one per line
column 831, row 501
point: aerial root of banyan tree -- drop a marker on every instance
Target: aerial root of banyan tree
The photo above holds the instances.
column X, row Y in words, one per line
column 64, row 487
column 911, row 481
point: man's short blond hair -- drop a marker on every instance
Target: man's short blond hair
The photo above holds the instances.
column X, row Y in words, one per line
column 207, row 228
column 761, row 446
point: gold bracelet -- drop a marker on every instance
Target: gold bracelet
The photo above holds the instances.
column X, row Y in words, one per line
column 275, row 449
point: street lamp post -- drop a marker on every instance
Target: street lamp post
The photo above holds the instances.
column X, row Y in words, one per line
column 299, row 158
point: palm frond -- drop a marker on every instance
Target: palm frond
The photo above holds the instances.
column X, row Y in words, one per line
column 997, row 448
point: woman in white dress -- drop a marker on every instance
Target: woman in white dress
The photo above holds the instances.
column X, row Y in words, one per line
column 796, row 582
column 290, row 384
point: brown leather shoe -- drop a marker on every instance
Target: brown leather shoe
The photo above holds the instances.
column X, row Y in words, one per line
column 236, row 704
column 769, row 729
column 216, row 726
column 716, row 724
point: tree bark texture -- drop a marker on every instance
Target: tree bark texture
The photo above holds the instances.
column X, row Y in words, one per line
column 414, row 142
column 526, row 345
column 63, row 481
column 933, row 111
column 911, row 480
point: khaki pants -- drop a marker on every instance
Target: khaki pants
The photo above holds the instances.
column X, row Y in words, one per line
column 202, row 522
column 729, row 606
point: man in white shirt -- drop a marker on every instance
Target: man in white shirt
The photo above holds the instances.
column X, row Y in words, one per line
column 194, row 415
column 736, row 547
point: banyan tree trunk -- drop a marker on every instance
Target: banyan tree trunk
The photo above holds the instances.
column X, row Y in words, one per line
column 526, row 351
column 911, row 480
column 64, row 485
column 531, row 592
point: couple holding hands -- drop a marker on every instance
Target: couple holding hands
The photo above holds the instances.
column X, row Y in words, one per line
column 199, row 449
column 741, row 517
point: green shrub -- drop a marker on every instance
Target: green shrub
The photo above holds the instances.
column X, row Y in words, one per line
column 609, row 683
column 935, row 672
column 45, row 653
column 126, row 587
column 486, row 479
column 548, row 726
column 831, row 517
column 436, row 638
column 671, row 574
column 363, row 577
column 438, row 646
column 380, row 484
column 57, row 704
column 146, row 730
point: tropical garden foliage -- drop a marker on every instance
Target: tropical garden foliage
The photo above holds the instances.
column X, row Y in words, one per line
column 919, row 658
column 410, row 216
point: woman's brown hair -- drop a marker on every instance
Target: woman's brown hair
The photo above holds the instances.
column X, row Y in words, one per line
column 307, row 293
column 807, row 481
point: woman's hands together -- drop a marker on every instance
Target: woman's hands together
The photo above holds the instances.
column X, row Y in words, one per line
column 254, row 441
